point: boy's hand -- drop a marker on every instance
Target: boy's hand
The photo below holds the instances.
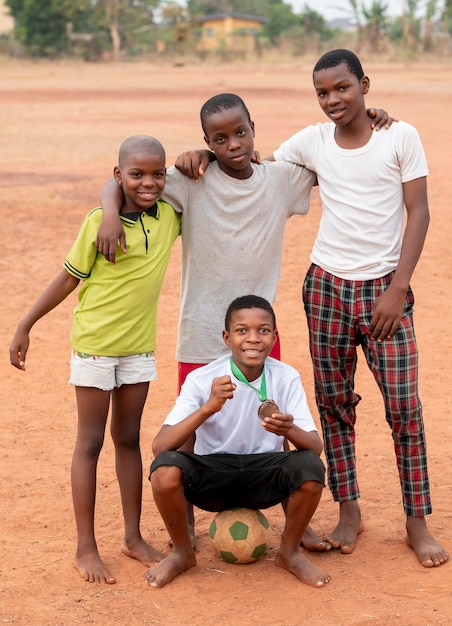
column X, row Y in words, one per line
column 194, row 163
column 222, row 390
column 278, row 423
column 380, row 118
column 256, row 158
column 18, row 349
column 387, row 312
column 110, row 232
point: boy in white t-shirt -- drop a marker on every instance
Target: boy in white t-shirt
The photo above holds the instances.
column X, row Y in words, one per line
column 357, row 290
column 239, row 460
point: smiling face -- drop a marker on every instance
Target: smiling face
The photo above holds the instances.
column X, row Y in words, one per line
column 142, row 176
column 230, row 135
column 250, row 337
column 341, row 94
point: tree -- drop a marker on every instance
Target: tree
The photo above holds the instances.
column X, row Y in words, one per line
column 313, row 22
column 411, row 24
column 371, row 23
column 446, row 17
column 124, row 17
column 112, row 9
column 41, row 26
column 429, row 24
column 177, row 32
column 309, row 32
column 281, row 18
column 375, row 24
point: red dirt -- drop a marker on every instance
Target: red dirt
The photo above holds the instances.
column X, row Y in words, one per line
column 61, row 127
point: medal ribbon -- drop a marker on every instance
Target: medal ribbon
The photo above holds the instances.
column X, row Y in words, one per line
column 262, row 392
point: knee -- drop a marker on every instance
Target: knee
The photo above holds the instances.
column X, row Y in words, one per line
column 126, row 438
column 131, row 442
column 90, row 446
column 307, row 466
column 311, row 488
column 165, row 479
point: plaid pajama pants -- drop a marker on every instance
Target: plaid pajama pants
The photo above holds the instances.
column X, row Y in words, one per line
column 338, row 313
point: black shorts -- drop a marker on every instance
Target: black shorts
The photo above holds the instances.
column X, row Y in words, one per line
column 215, row 482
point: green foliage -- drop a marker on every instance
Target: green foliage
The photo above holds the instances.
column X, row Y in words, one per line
column 281, row 18
column 49, row 28
column 313, row 22
column 375, row 24
column 308, row 33
column 395, row 30
column 42, row 26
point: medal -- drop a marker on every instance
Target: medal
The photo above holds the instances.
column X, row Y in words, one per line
column 262, row 392
column 267, row 408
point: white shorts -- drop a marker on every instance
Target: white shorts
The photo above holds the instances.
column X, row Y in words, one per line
column 108, row 372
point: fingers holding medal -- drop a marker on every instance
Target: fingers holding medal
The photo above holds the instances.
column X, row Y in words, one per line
column 266, row 409
column 272, row 419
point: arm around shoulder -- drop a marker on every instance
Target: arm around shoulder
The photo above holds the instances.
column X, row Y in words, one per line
column 111, row 230
column 193, row 163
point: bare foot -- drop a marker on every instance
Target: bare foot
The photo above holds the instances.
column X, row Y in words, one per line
column 311, row 541
column 345, row 535
column 428, row 551
column 91, row 569
column 298, row 565
column 143, row 552
column 171, row 566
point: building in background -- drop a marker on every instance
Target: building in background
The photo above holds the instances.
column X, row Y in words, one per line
column 235, row 33
column 6, row 21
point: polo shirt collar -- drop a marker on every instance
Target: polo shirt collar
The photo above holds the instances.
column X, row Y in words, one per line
column 152, row 211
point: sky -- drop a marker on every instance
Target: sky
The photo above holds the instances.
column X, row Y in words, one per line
column 331, row 9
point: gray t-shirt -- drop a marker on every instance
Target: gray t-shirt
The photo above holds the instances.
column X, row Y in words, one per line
column 232, row 239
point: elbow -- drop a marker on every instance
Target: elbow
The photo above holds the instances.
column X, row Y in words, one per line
column 155, row 450
column 318, row 445
column 157, row 447
column 161, row 441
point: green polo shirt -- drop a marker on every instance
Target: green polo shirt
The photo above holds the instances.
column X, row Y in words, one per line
column 117, row 310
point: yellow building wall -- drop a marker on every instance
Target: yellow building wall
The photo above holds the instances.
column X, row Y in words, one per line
column 6, row 21
column 223, row 33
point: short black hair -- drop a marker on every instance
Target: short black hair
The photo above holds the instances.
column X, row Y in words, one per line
column 140, row 143
column 248, row 302
column 336, row 57
column 219, row 103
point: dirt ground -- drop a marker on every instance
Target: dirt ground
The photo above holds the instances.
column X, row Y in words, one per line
column 61, row 126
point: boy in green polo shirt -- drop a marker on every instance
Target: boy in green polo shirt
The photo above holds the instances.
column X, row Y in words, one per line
column 113, row 342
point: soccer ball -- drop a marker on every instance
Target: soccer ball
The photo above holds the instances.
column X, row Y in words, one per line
column 240, row 535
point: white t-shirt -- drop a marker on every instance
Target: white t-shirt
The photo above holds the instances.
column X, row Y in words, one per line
column 232, row 240
column 360, row 232
column 237, row 429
